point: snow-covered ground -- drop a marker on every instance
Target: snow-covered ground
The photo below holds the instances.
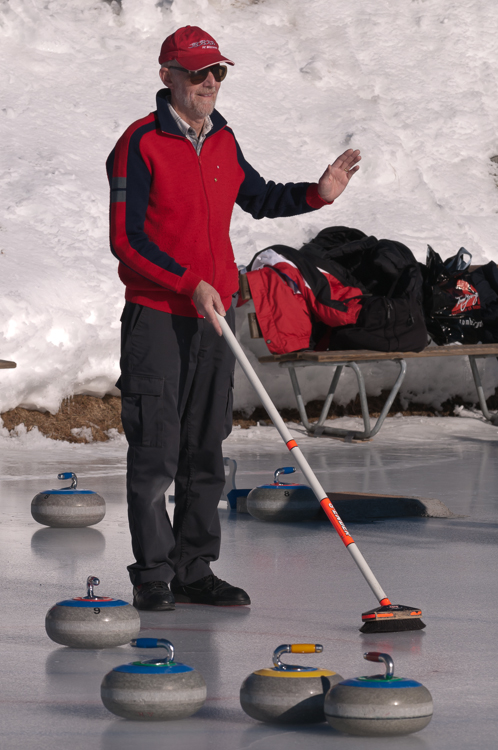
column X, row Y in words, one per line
column 413, row 85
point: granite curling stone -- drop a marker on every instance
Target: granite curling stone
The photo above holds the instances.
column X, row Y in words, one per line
column 154, row 690
column 283, row 502
column 92, row 621
column 286, row 693
column 68, row 507
column 381, row 705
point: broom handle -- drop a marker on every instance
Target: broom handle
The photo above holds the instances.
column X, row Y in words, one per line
column 315, row 485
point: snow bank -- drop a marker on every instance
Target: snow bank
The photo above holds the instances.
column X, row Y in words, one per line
column 411, row 84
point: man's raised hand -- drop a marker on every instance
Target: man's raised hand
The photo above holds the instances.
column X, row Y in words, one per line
column 336, row 177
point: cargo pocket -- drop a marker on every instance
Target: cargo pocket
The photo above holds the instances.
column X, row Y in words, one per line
column 142, row 410
column 229, row 409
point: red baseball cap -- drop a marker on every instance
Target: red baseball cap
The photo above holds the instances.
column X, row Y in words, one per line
column 192, row 48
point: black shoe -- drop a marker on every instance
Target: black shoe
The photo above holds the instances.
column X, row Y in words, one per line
column 154, row 596
column 210, row 590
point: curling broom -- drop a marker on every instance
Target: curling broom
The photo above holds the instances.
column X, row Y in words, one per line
column 384, row 619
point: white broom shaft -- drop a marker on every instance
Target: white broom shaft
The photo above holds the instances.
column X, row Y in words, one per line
column 296, row 451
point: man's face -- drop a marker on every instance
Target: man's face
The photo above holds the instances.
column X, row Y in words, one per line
column 196, row 100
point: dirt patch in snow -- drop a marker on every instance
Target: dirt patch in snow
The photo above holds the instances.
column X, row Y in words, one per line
column 83, row 419
column 80, row 419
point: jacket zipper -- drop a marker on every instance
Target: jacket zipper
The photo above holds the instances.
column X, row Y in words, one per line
column 208, row 217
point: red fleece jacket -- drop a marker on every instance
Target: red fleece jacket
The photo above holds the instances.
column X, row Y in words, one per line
column 171, row 209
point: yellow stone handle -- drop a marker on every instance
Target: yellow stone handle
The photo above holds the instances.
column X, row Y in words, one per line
column 306, row 648
column 294, row 648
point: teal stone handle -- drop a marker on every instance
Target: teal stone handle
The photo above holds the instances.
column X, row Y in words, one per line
column 68, row 475
column 156, row 643
column 283, row 470
column 385, row 658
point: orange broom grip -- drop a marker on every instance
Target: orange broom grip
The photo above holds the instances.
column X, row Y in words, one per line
column 336, row 521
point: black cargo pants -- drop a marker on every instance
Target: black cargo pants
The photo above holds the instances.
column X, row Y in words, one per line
column 176, row 392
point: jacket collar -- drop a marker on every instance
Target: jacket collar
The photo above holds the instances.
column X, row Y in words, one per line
column 167, row 123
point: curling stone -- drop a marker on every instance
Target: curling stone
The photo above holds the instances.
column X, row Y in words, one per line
column 378, row 705
column 92, row 621
column 286, row 693
column 283, row 502
column 68, row 507
column 154, row 690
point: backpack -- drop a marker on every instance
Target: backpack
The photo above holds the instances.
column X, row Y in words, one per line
column 461, row 305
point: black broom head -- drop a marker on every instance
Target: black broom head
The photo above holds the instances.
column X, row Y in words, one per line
column 392, row 618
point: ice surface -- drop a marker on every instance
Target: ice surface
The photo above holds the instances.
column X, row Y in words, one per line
column 304, row 587
column 413, row 85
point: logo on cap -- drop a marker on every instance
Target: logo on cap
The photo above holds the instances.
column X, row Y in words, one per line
column 204, row 43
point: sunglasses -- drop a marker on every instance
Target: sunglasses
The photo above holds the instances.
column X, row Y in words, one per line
column 198, row 76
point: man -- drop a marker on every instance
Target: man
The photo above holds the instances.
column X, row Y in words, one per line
column 175, row 177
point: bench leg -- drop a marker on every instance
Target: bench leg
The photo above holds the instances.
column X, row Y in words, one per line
column 319, row 428
column 479, row 388
column 330, row 395
column 299, row 398
column 391, row 397
column 365, row 412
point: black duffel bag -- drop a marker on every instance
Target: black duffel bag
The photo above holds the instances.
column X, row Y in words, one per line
column 392, row 316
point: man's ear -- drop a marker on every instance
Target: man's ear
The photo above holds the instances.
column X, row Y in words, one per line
column 165, row 76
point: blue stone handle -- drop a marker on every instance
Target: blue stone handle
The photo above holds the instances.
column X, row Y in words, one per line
column 283, row 470
column 145, row 642
column 68, row 475
column 156, row 643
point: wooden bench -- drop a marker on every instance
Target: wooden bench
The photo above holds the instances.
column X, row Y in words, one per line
column 341, row 359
